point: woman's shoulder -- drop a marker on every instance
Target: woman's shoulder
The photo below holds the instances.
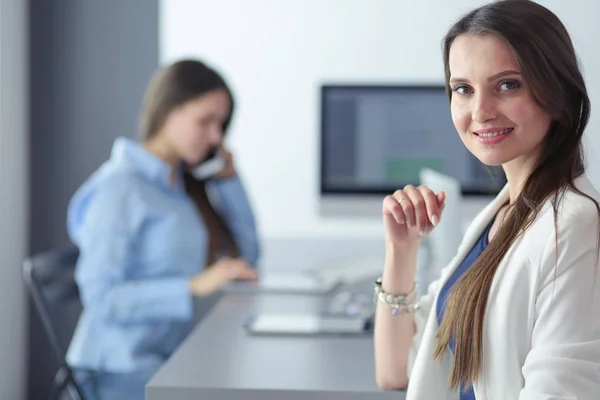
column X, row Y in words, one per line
column 579, row 208
column 123, row 181
column 107, row 191
column 571, row 234
column 575, row 224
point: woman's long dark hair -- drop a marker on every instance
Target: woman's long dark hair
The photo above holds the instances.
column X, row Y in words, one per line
column 171, row 87
column 548, row 63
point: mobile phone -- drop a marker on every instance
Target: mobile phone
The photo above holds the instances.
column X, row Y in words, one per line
column 212, row 164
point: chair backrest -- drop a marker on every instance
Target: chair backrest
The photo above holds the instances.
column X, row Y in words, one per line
column 50, row 277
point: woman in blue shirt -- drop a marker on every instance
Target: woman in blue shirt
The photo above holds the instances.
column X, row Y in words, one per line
column 151, row 236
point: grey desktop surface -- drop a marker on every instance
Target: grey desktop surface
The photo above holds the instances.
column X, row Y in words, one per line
column 220, row 361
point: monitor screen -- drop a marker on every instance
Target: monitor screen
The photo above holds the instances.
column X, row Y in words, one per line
column 376, row 139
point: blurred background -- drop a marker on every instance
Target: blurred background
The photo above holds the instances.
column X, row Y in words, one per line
column 72, row 77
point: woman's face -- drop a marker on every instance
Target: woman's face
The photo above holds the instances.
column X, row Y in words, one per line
column 193, row 128
column 492, row 107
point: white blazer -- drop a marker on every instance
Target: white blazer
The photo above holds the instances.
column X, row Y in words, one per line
column 541, row 335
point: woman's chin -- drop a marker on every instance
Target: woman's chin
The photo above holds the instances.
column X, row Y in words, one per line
column 492, row 160
column 194, row 160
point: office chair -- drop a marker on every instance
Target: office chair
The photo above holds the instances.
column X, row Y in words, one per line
column 50, row 278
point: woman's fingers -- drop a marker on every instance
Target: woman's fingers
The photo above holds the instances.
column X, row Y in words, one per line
column 392, row 207
column 406, row 204
column 419, row 207
column 244, row 271
column 432, row 205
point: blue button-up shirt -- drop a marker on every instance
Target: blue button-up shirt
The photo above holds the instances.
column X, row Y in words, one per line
column 141, row 239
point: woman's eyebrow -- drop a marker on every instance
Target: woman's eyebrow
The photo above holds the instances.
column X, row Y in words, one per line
column 491, row 78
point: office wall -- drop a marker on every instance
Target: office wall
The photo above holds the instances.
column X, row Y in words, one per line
column 13, row 195
column 90, row 62
column 277, row 53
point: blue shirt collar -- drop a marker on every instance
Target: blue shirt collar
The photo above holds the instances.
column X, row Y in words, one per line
column 133, row 154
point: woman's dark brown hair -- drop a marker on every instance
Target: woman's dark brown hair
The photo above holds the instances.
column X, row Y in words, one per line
column 548, row 63
column 171, row 87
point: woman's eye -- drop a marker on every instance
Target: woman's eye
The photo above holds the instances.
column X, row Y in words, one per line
column 461, row 89
column 509, row 85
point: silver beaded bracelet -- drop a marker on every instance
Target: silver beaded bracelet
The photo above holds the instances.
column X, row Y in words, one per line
column 402, row 304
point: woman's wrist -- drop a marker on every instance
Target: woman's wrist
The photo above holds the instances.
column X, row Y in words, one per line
column 197, row 285
column 399, row 269
column 408, row 246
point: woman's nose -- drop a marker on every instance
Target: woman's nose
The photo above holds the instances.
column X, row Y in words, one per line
column 484, row 108
column 216, row 136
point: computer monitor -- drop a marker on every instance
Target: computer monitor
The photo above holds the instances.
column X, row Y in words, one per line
column 377, row 138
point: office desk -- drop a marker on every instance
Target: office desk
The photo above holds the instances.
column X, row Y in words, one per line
column 219, row 361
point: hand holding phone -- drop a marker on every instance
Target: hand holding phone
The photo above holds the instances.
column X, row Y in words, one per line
column 217, row 164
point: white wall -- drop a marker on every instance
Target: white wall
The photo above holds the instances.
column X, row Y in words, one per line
column 277, row 53
column 13, row 195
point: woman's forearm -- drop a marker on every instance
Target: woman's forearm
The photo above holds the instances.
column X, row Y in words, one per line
column 393, row 334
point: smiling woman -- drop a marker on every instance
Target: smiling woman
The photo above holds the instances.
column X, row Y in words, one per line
column 492, row 107
column 514, row 314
